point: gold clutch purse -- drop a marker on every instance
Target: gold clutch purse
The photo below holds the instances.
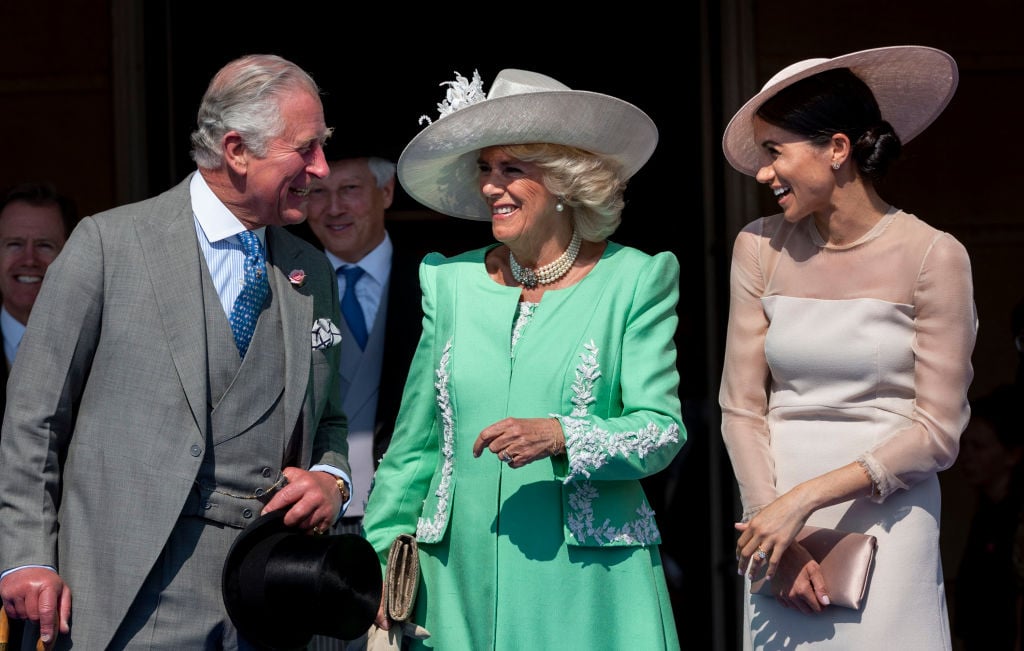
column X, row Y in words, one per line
column 401, row 580
column 402, row 577
column 846, row 560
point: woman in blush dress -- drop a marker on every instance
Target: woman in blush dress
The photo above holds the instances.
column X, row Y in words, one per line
column 848, row 353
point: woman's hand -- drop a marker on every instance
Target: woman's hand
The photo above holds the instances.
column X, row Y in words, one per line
column 764, row 539
column 769, row 539
column 519, row 441
column 799, row 583
column 382, row 620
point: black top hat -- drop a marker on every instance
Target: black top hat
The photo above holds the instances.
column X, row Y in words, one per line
column 282, row 586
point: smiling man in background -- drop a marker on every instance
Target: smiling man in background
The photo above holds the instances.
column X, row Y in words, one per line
column 35, row 221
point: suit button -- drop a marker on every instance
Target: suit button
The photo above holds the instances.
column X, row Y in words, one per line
column 207, row 506
column 196, row 450
column 258, row 492
column 267, row 472
column 247, row 513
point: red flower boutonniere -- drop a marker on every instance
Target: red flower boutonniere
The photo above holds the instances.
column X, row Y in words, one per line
column 297, row 277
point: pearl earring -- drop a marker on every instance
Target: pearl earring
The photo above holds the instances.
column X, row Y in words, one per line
column 559, row 207
column 835, row 165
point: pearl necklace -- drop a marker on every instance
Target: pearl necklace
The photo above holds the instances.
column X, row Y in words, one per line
column 550, row 272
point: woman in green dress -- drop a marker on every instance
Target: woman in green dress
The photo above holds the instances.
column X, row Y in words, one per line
column 544, row 386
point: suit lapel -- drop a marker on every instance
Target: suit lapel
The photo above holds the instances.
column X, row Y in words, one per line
column 172, row 256
column 283, row 257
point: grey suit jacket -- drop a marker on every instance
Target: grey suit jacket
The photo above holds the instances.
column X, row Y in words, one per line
column 3, row 375
column 106, row 422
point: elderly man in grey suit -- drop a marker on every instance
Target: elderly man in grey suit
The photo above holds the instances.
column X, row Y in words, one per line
column 148, row 423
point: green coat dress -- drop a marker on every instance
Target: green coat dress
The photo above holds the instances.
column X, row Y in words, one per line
column 563, row 552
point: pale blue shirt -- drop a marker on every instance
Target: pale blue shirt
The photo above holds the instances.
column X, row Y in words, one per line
column 14, row 330
column 217, row 230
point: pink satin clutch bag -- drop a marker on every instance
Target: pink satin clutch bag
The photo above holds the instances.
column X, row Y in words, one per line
column 846, row 560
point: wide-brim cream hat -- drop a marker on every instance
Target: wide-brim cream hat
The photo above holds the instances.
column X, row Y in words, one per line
column 911, row 83
column 438, row 167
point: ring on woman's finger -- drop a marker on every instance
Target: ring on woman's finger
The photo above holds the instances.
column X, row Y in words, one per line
column 505, row 456
column 319, row 531
column 761, row 553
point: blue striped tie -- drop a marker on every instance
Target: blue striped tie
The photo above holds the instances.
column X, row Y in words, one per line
column 250, row 301
column 350, row 308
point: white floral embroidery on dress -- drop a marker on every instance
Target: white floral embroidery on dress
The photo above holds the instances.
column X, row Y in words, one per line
column 525, row 314
column 429, row 530
column 643, row 530
column 461, row 93
column 587, row 374
column 589, row 447
column 592, row 446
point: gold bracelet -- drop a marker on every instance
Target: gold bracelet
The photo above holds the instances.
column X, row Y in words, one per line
column 342, row 488
column 558, row 446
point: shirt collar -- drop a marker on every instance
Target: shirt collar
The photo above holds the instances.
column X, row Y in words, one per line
column 376, row 263
column 216, row 220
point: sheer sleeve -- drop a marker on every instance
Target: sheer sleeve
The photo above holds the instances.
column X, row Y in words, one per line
column 946, row 326
column 743, row 395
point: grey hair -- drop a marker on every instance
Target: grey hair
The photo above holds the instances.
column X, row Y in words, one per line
column 591, row 185
column 244, row 96
column 382, row 169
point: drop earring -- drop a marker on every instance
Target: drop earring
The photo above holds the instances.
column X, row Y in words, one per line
column 559, row 207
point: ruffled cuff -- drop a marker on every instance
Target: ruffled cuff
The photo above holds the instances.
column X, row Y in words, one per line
column 883, row 484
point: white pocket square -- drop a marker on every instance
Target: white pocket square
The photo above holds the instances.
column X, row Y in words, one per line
column 325, row 334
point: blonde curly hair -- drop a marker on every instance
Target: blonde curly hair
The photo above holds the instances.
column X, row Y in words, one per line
column 591, row 185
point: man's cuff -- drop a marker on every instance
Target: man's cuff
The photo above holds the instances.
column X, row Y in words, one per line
column 331, row 470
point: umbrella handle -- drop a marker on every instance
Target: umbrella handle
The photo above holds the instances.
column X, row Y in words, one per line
column 5, row 633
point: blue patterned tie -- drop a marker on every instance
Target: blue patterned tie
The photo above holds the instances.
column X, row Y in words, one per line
column 249, row 303
column 350, row 307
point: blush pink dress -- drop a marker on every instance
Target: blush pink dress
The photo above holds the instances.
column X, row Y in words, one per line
column 837, row 354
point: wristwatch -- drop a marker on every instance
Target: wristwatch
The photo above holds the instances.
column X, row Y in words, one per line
column 343, row 489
